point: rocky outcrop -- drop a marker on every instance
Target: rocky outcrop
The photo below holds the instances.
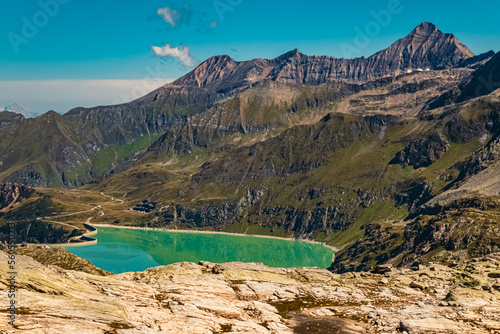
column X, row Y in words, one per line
column 451, row 232
column 252, row 298
column 146, row 206
column 61, row 258
column 304, row 223
column 422, row 153
column 7, row 118
column 480, row 160
column 213, row 215
column 413, row 194
column 447, row 233
column 300, row 223
column 12, row 193
column 209, row 214
column 372, row 250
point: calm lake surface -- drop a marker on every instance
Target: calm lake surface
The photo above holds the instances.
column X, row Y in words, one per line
column 124, row 250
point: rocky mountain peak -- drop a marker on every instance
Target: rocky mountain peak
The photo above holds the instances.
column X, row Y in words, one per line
column 428, row 38
column 424, row 29
column 290, row 54
column 52, row 114
column 217, row 60
column 425, row 47
column 213, row 69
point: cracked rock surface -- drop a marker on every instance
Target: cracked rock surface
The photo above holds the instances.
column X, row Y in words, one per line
column 253, row 298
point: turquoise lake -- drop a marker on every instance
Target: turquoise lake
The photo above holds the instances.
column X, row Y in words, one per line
column 124, row 250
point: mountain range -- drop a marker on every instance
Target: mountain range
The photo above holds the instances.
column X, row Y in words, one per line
column 426, row 47
column 390, row 157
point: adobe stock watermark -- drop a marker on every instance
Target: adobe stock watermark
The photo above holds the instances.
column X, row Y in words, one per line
column 365, row 35
column 12, row 275
column 487, row 83
column 485, row 86
column 31, row 26
column 224, row 6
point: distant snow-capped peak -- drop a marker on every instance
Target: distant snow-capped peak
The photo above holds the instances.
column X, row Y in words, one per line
column 20, row 108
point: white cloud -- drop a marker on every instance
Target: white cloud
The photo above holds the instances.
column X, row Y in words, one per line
column 63, row 95
column 182, row 54
column 169, row 15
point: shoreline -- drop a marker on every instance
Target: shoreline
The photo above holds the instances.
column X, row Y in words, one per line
column 68, row 245
column 334, row 249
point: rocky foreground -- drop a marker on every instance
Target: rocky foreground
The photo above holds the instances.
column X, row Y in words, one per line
column 252, row 298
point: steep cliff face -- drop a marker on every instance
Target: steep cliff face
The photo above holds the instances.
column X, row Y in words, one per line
column 253, row 210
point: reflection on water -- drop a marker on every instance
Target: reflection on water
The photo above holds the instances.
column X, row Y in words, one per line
column 123, row 250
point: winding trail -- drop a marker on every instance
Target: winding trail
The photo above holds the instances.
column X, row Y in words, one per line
column 80, row 240
column 113, row 199
column 73, row 214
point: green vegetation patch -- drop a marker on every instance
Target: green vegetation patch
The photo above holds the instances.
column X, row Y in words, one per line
column 104, row 159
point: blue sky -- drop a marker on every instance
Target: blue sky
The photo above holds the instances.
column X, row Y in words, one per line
column 88, row 52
